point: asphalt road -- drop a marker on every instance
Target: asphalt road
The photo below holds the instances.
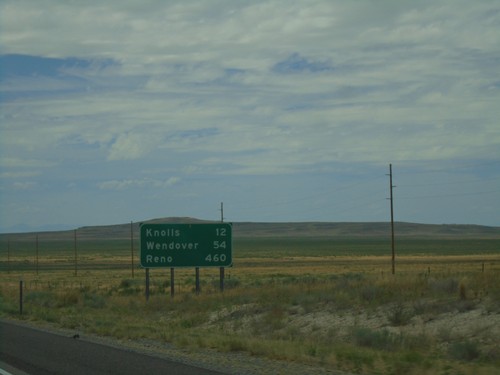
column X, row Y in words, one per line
column 38, row 352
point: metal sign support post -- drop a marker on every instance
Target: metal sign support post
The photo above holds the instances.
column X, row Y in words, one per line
column 172, row 280
column 197, row 280
column 221, row 269
column 222, row 279
column 147, row 284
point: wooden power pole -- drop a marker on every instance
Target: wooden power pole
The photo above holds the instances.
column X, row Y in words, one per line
column 76, row 253
column 391, row 186
column 132, row 246
column 221, row 269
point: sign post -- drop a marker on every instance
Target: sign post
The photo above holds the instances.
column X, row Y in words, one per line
column 172, row 282
column 186, row 245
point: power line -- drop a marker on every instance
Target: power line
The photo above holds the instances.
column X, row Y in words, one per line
column 323, row 192
column 448, row 168
column 450, row 182
column 451, row 195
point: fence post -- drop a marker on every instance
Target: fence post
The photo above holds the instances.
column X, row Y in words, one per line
column 197, row 280
column 20, row 297
column 221, row 271
column 172, row 281
column 147, row 284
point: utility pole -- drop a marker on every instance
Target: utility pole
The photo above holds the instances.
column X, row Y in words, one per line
column 36, row 254
column 76, row 253
column 8, row 255
column 221, row 269
column 391, row 186
column 132, row 246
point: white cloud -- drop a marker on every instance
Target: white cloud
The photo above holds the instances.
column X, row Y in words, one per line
column 138, row 183
column 24, row 185
column 24, row 163
column 132, row 145
column 282, row 87
column 19, row 174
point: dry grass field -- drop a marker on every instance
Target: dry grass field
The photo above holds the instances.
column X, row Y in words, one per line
column 330, row 302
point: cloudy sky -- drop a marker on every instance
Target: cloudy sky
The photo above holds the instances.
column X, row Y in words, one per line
column 285, row 110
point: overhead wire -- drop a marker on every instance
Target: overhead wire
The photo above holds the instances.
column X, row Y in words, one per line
column 268, row 209
column 450, row 195
column 450, row 182
column 323, row 192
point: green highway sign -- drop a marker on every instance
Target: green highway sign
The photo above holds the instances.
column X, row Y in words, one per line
column 186, row 245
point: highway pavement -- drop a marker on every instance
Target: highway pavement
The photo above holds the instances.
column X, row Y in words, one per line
column 37, row 352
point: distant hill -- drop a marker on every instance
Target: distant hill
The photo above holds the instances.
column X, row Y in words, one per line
column 291, row 229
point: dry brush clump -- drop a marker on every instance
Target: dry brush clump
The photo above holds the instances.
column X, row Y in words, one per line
column 360, row 322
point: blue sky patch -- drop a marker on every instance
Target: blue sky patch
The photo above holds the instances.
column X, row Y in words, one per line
column 284, row 111
column 295, row 63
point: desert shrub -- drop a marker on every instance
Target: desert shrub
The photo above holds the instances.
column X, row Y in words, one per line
column 369, row 293
column 128, row 287
column 7, row 306
column 446, row 286
column 269, row 322
column 465, row 305
column 304, row 299
column 165, row 284
column 68, row 298
column 233, row 344
column 125, row 283
column 70, row 321
column 493, row 355
column 349, row 279
column 391, row 342
column 229, row 283
column 409, row 363
column 382, row 340
column 48, row 315
column 492, row 304
column 399, row 315
column 418, row 342
column 433, row 307
column 426, row 306
column 40, row 299
column 462, row 291
column 193, row 320
column 354, row 359
column 94, row 301
column 341, row 300
column 464, row 351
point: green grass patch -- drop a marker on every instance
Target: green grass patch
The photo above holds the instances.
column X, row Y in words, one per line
column 310, row 300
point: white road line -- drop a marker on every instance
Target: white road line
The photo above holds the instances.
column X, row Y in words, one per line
column 3, row 372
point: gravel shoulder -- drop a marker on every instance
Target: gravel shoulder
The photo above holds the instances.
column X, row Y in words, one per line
column 444, row 323
column 230, row 363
